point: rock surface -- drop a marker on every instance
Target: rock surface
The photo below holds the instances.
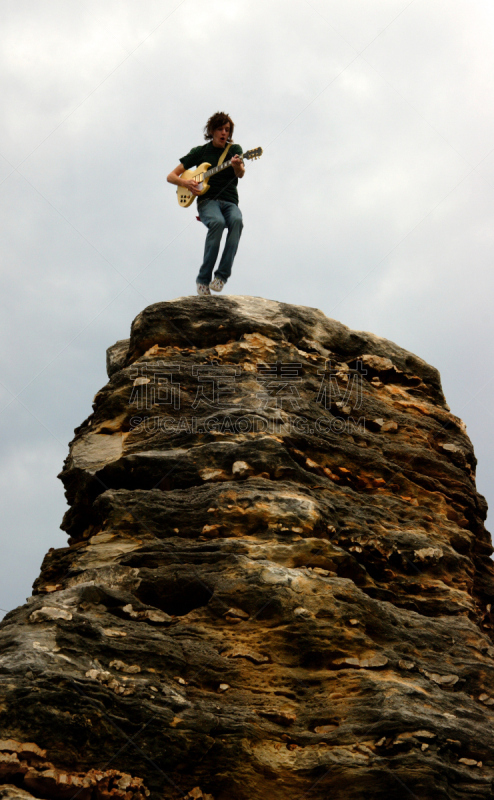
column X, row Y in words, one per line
column 277, row 582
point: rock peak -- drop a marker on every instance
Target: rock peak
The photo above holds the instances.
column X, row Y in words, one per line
column 277, row 581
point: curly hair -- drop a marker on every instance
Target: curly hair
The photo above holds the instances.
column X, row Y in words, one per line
column 217, row 121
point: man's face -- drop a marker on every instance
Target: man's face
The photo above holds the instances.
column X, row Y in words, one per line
column 220, row 135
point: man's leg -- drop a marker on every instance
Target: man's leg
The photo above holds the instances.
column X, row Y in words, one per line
column 210, row 214
column 233, row 218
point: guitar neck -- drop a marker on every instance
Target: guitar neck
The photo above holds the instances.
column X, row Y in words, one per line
column 215, row 170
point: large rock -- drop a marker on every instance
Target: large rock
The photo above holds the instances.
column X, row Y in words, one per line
column 277, row 584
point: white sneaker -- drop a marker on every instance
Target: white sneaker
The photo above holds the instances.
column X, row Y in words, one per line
column 202, row 288
column 217, row 285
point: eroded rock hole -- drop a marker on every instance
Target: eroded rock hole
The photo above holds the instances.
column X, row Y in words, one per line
column 177, row 597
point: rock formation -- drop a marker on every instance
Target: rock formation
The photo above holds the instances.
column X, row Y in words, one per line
column 277, row 582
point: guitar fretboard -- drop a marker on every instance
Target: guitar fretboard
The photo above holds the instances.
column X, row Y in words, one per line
column 203, row 176
column 214, row 170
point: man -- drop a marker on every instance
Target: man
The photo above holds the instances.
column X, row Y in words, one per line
column 218, row 207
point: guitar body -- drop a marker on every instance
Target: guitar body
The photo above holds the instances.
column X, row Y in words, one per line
column 184, row 196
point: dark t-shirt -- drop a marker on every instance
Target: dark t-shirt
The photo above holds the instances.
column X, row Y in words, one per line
column 223, row 185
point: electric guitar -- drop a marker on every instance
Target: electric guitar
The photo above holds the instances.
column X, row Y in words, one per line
column 202, row 173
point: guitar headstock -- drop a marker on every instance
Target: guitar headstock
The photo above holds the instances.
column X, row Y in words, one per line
column 256, row 153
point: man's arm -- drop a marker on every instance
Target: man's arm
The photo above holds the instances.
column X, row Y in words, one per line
column 174, row 177
column 238, row 166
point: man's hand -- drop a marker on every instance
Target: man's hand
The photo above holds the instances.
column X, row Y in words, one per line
column 238, row 166
column 192, row 186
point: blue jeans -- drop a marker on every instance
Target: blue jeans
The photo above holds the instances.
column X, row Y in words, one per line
column 216, row 216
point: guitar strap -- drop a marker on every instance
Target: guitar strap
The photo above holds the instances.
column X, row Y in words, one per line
column 223, row 155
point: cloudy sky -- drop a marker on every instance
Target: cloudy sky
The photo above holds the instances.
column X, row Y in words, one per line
column 373, row 200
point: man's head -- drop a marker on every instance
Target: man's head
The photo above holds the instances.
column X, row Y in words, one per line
column 219, row 128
